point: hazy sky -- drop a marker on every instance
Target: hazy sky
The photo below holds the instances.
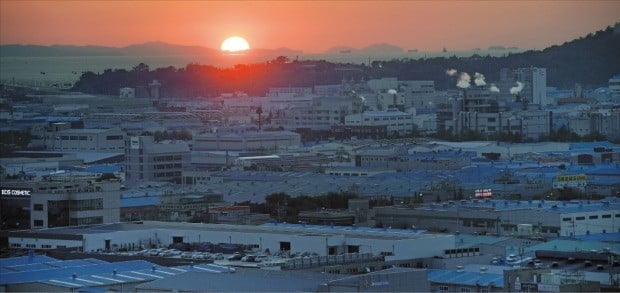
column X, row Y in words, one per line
column 309, row 26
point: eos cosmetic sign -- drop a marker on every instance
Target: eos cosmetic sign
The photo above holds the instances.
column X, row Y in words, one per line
column 15, row 192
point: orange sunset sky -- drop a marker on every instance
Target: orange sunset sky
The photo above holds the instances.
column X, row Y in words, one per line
column 308, row 26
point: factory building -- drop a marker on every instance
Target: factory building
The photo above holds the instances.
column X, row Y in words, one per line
column 398, row 123
column 503, row 217
column 246, row 140
column 393, row 244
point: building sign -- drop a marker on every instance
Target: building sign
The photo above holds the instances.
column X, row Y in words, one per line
column 548, row 288
column 134, row 143
column 483, row 193
column 571, row 178
column 379, row 283
column 529, row 287
column 15, row 192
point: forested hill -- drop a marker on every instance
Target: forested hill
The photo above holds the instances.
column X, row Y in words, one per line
column 589, row 60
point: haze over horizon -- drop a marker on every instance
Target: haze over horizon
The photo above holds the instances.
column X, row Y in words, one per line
column 307, row 26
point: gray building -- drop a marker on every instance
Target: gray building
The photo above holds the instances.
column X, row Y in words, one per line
column 146, row 160
column 503, row 217
column 59, row 200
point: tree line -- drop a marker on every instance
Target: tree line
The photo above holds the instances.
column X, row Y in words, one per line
column 589, row 60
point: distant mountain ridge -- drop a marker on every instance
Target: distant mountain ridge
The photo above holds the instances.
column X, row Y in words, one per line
column 590, row 60
column 374, row 48
column 145, row 49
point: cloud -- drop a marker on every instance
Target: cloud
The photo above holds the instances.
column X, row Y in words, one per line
column 451, row 72
column 464, row 80
column 479, row 79
column 494, row 89
column 516, row 89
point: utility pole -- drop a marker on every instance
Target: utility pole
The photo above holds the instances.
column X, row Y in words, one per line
column 259, row 111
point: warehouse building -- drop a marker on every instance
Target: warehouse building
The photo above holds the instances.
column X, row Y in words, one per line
column 246, row 140
column 393, row 244
column 504, row 217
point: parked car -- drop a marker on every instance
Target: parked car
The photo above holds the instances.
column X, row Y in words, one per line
column 537, row 263
column 217, row 256
column 248, row 258
column 186, row 254
column 236, row 256
column 261, row 258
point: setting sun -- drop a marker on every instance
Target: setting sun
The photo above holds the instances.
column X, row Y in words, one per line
column 235, row 44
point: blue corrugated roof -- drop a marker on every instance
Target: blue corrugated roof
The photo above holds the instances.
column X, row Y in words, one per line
column 591, row 145
column 465, row 278
column 604, row 237
column 23, row 260
column 574, row 245
column 132, row 274
column 104, row 168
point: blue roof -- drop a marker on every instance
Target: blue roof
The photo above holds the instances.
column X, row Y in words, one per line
column 554, row 206
column 132, row 276
column 100, row 273
column 591, row 145
column 104, row 168
column 465, row 278
column 23, row 260
column 62, row 119
column 448, row 155
column 604, row 237
column 567, row 245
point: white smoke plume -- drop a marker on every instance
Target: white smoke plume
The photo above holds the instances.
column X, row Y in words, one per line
column 516, row 89
column 494, row 89
column 479, row 79
column 451, row 72
column 464, row 80
column 392, row 91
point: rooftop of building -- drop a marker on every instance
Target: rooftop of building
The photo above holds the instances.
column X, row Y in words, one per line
column 573, row 206
column 85, row 130
column 278, row 228
column 89, row 272
column 457, row 277
column 243, row 280
column 569, row 245
column 247, row 134
column 601, row 237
